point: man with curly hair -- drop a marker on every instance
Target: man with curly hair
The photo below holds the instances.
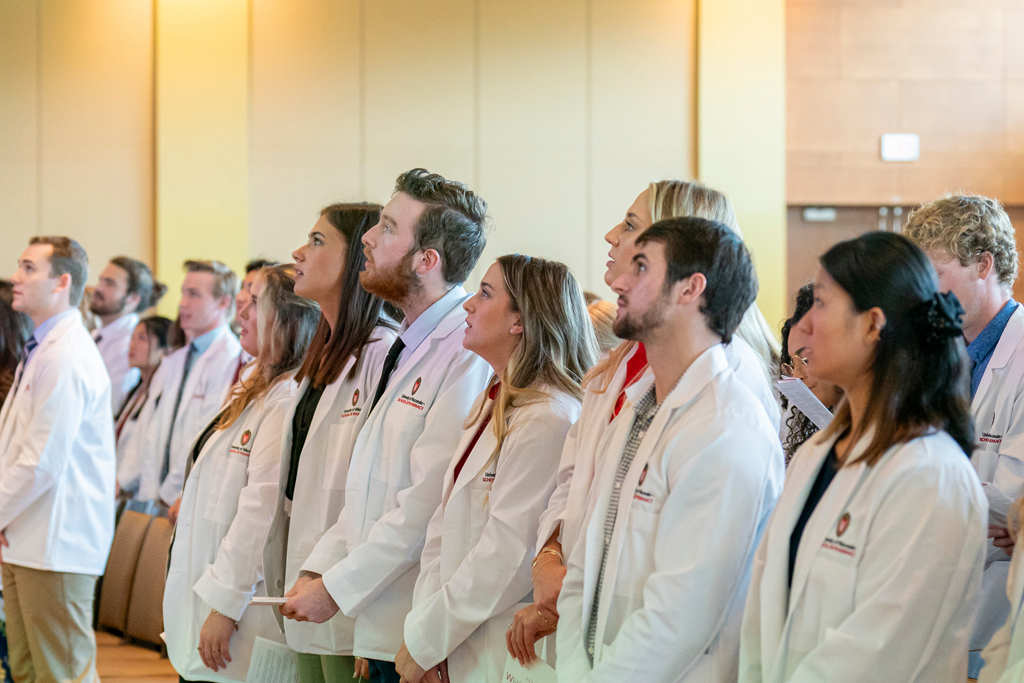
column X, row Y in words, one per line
column 972, row 245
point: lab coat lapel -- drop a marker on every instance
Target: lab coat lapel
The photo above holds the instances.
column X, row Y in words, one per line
column 826, row 515
column 400, row 377
column 326, row 401
column 481, row 453
column 1007, row 344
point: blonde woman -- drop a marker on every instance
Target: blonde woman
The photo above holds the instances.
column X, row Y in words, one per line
column 605, row 396
column 530, row 323
column 602, row 316
column 229, row 496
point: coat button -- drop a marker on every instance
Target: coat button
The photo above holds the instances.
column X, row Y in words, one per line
column 280, row 583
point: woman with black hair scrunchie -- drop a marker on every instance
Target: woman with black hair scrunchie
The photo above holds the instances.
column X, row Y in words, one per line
column 870, row 569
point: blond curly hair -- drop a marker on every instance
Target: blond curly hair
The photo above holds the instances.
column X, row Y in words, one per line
column 967, row 226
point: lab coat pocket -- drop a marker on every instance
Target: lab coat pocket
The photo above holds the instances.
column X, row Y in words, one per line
column 637, row 557
column 828, row 598
column 231, row 476
column 337, row 458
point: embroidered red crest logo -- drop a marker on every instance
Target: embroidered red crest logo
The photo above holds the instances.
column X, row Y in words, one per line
column 355, row 397
column 246, row 436
column 844, row 523
column 643, row 475
column 416, row 386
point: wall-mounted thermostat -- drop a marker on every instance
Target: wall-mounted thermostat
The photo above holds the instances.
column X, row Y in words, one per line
column 901, row 147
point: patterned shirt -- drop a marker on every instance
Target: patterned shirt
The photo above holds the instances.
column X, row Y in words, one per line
column 646, row 409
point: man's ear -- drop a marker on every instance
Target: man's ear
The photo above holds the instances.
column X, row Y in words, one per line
column 985, row 264
column 63, row 282
column 429, row 259
column 132, row 301
column 225, row 302
column 691, row 289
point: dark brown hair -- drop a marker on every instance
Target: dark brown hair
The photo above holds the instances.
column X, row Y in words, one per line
column 359, row 312
column 920, row 381
column 141, row 282
column 69, row 258
column 452, row 224
column 15, row 327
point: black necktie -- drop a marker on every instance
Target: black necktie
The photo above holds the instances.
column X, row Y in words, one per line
column 389, row 367
column 189, row 356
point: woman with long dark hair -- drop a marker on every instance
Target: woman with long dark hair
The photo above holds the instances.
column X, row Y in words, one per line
column 336, row 384
column 870, row 569
column 15, row 328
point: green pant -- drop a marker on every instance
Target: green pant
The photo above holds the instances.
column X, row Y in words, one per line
column 326, row 668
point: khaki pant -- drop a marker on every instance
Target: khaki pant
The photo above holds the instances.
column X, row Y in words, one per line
column 326, row 668
column 49, row 625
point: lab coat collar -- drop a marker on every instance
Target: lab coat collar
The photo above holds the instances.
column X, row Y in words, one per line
column 455, row 317
column 827, row 513
column 694, row 379
column 481, row 453
column 1008, row 342
column 123, row 325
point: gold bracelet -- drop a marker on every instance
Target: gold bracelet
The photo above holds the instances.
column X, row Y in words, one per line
column 219, row 614
column 550, row 625
column 561, row 560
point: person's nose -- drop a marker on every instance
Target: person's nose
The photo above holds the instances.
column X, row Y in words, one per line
column 299, row 254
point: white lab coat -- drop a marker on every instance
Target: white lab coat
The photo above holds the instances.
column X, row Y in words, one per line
column 579, row 456
column 114, row 340
column 206, row 388
column 475, row 570
column 216, row 558
column 395, row 481
column 683, row 544
column 998, row 412
column 887, row 574
column 1004, row 655
column 57, row 456
column 311, row 538
column 134, row 435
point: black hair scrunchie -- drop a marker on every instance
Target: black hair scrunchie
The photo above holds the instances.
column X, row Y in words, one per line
column 939, row 319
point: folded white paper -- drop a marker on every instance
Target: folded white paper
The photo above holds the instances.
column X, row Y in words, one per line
column 803, row 398
column 538, row 672
column 260, row 600
column 272, row 663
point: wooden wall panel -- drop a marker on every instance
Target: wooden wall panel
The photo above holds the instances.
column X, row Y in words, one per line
column 304, row 142
column 76, row 125
column 558, row 114
column 19, row 149
column 418, row 81
column 533, row 129
column 96, row 120
column 947, row 70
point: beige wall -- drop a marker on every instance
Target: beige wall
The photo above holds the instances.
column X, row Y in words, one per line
column 76, row 126
column 949, row 70
column 559, row 114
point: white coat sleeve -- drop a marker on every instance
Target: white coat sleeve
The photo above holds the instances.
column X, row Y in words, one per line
column 229, row 583
column 997, row 651
column 58, row 396
column 572, row 659
column 395, row 541
column 703, row 547
column 129, row 471
column 217, row 383
column 554, row 514
column 750, row 669
column 495, row 575
column 429, row 580
column 925, row 549
column 1008, row 477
